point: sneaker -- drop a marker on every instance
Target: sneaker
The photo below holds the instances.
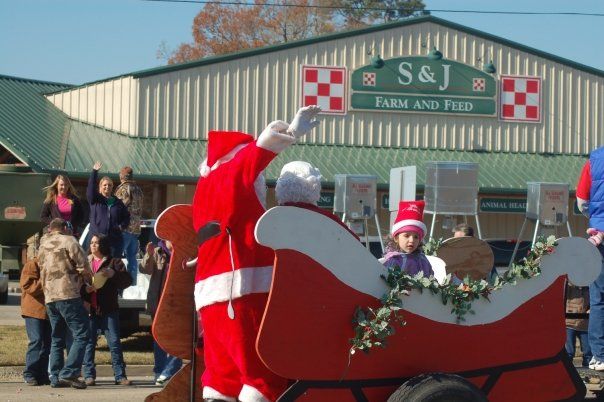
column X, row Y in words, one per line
column 31, row 381
column 123, row 381
column 73, row 382
column 90, row 382
column 597, row 365
column 161, row 380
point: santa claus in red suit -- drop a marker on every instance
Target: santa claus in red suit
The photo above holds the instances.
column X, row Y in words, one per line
column 233, row 271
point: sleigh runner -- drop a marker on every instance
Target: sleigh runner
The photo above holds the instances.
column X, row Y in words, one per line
column 511, row 348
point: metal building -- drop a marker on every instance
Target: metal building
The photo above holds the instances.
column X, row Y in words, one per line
column 399, row 94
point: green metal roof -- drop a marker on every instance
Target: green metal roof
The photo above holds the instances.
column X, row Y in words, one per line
column 356, row 32
column 30, row 126
column 47, row 140
column 151, row 158
column 178, row 160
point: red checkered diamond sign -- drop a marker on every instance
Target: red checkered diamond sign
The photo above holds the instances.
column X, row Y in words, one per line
column 478, row 84
column 326, row 87
column 369, row 79
column 520, row 98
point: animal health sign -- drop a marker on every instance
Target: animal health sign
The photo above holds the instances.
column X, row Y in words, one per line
column 423, row 85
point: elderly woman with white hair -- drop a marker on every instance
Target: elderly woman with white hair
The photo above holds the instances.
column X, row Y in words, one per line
column 299, row 185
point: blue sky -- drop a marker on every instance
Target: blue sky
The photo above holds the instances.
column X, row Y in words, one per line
column 78, row 41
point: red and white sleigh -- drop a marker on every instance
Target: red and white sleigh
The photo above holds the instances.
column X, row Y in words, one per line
column 511, row 349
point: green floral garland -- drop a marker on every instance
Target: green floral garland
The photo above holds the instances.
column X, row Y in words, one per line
column 373, row 326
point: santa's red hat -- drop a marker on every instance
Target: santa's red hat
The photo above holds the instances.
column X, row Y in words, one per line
column 409, row 218
column 220, row 143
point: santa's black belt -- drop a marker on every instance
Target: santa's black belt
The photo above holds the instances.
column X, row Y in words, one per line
column 207, row 231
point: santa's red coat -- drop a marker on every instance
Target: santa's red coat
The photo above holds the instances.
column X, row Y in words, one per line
column 228, row 197
column 232, row 265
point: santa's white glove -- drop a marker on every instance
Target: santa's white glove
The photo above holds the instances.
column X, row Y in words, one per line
column 303, row 121
column 277, row 126
column 274, row 138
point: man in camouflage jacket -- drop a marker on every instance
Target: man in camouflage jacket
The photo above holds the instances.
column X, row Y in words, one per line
column 132, row 197
column 64, row 268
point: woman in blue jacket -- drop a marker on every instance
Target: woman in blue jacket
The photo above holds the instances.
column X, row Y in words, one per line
column 108, row 214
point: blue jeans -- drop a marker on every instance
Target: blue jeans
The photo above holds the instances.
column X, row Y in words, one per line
column 109, row 325
column 54, row 376
column 571, row 341
column 130, row 242
column 67, row 315
column 595, row 329
column 165, row 364
column 38, row 349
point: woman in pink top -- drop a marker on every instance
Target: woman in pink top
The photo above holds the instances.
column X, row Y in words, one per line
column 62, row 202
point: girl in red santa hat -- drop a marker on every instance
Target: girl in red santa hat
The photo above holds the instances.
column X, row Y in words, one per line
column 407, row 234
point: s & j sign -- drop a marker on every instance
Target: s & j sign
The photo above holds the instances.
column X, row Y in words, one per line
column 422, row 85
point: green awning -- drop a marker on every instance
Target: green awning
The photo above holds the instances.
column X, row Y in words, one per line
column 178, row 160
column 48, row 141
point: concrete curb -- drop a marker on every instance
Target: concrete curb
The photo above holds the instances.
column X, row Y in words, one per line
column 103, row 371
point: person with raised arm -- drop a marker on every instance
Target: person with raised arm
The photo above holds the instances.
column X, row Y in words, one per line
column 108, row 214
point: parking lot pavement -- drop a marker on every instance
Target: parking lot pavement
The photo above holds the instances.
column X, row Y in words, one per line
column 105, row 390
column 10, row 313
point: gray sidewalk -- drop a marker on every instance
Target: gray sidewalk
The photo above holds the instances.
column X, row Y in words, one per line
column 12, row 387
column 104, row 391
column 13, row 373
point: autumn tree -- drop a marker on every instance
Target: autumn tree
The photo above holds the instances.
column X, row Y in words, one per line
column 225, row 28
column 358, row 13
column 300, row 19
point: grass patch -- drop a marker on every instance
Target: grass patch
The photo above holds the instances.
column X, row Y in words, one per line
column 138, row 348
column 13, row 345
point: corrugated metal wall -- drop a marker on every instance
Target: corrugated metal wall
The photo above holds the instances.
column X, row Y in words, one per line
column 109, row 104
column 245, row 94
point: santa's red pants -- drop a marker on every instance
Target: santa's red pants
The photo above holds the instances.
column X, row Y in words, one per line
column 233, row 367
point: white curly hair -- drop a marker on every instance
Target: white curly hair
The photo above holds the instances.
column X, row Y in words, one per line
column 299, row 181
